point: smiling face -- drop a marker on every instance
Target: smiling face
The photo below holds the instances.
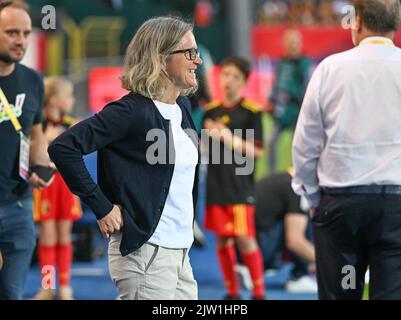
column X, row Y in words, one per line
column 181, row 70
column 15, row 27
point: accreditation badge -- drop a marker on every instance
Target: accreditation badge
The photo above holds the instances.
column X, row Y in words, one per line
column 24, row 157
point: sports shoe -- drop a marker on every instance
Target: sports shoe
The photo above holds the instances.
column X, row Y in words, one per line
column 65, row 293
column 305, row 284
column 244, row 277
column 44, row 294
column 367, row 276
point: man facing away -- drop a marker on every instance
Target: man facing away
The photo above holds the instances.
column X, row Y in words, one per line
column 347, row 157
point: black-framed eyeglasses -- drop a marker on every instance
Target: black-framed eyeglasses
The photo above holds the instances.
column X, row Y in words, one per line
column 191, row 53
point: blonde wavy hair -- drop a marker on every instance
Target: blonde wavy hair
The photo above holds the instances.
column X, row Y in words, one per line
column 54, row 86
column 147, row 53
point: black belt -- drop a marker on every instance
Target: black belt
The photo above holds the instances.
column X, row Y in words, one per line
column 372, row 189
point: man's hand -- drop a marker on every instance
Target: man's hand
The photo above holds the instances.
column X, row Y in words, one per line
column 39, row 183
column 214, row 125
column 111, row 223
column 217, row 130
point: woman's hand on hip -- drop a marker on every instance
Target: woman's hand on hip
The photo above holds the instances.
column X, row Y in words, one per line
column 111, row 223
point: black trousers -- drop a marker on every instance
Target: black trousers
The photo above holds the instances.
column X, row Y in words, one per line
column 352, row 232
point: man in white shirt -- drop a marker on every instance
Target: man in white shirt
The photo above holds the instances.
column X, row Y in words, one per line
column 347, row 156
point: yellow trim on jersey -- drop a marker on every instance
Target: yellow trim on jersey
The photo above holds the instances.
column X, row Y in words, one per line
column 236, row 220
column 250, row 105
column 68, row 120
column 240, row 221
column 36, row 204
column 244, row 208
column 76, row 209
column 213, row 105
column 225, row 119
column 244, row 220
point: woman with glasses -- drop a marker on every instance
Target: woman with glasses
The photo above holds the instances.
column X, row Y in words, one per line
column 147, row 164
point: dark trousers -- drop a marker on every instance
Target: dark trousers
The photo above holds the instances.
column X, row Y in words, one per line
column 17, row 242
column 272, row 243
column 352, row 232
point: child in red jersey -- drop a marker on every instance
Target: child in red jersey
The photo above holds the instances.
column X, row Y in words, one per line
column 55, row 206
column 230, row 196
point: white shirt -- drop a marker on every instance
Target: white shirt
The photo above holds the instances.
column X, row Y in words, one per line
column 175, row 230
column 349, row 128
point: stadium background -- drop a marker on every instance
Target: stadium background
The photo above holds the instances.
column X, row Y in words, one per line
column 88, row 45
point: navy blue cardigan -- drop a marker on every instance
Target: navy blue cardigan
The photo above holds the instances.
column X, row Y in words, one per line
column 125, row 177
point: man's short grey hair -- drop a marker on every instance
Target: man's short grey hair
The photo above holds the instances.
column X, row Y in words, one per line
column 381, row 16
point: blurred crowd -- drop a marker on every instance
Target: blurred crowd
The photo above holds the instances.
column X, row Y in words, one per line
column 305, row 12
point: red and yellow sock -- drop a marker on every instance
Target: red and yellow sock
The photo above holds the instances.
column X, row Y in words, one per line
column 228, row 259
column 64, row 261
column 254, row 262
column 47, row 257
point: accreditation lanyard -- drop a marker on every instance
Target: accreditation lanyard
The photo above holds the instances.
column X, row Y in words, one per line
column 24, row 141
